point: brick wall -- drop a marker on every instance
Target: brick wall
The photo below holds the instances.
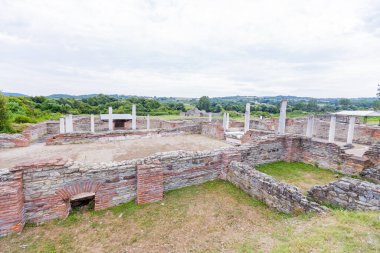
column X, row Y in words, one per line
column 150, row 182
column 12, row 218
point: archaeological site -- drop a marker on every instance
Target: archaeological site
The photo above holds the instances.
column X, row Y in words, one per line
column 112, row 159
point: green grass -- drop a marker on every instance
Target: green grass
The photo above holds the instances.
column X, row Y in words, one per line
column 299, row 174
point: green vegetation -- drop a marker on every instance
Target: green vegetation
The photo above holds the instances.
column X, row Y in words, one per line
column 299, row 174
column 212, row 217
column 23, row 110
column 5, row 123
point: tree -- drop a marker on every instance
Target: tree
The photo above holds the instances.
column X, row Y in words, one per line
column 376, row 105
column 204, row 103
column 5, row 124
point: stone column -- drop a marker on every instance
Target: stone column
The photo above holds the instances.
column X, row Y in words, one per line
column 133, row 117
column 351, row 128
column 148, row 122
column 62, row 125
column 110, row 119
column 224, row 120
column 332, row 128
column 227, row 120
column 92, row 123
column 69, row 124
column 310, row 127
column 209, row 117
column 247, row 117
column 282, row 119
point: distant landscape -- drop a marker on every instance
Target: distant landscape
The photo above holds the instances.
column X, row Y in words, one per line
column 19, row 109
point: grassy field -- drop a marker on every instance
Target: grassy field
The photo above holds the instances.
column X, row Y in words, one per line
column 212, row 217
column 301, row 175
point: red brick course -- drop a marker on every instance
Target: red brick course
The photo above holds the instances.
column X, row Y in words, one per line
column 150, row 182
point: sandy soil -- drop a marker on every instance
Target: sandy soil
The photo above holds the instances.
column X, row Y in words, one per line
column 110, row 151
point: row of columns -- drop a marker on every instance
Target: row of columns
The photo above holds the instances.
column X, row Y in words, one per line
column 310, row 125
column 66, row 123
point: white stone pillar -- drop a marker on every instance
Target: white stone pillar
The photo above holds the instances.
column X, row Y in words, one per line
column 148, row 122
column 227, row 121
column 310, row 127
column 133, row 117
column 282, row 119
column 69, row 124
column 92, row 119
column 224, row 120
column 210, row 117
column 247, row 117
column 351, row 128
column 110, row 119
column 332, row 128
column 62, row 125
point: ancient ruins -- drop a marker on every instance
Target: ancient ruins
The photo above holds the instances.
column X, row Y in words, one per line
column 38, row 190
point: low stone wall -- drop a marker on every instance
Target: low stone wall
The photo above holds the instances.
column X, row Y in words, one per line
column 35, row 132
column 348, row 193
column 88, row 137
column 214, row 130
column 30, row 134
column 253, row 135
column 276, row 194
column 13, row 141
column 372, row 173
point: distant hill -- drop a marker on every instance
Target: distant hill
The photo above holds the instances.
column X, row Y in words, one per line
column 12, row 94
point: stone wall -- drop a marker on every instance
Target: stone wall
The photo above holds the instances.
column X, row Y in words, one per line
column 214, row 130
column 302, row 149
column 372, row 173
column 348, row 193
column 276, row 194
column 30, row 134
column 13, row 141
column 253, row 135
column 35, row 132
column 88, row 137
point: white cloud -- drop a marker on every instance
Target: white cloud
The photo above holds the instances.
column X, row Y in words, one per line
column 191, row 48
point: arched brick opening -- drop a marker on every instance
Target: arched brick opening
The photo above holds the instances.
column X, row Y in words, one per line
column 77, row 189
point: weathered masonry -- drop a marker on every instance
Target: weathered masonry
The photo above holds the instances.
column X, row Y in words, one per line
column 43, row 190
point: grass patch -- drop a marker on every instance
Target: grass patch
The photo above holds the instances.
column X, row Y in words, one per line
column 299, row 174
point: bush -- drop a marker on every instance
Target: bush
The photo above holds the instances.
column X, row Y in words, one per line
column 23, row 119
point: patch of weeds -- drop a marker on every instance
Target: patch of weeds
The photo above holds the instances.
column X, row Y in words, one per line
column 126, row 208
column 72, row 219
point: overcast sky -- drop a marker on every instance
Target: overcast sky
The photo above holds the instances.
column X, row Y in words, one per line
column 320, row 48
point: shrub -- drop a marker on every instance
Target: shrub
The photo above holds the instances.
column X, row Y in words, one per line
column 23, row 119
